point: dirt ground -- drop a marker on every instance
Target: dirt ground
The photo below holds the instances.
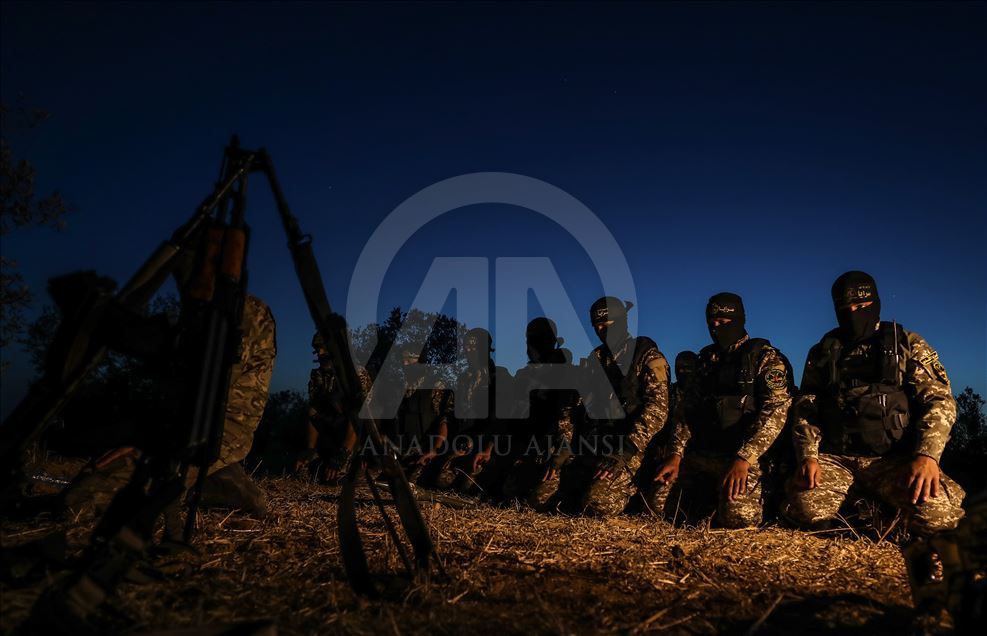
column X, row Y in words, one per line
column 510, row 572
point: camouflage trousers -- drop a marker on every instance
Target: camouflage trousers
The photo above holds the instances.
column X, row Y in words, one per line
column 526, row 483
column 579, row 493
column 92, row 490
column 698, row 490
column 95, row 487
column 880, row 477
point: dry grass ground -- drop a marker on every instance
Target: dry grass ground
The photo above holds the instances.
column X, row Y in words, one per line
column 513, row 571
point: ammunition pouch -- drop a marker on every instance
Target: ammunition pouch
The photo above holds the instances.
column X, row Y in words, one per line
column 870, row 424
column 731, row 409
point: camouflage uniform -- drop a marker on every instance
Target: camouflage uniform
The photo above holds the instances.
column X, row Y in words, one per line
column 643, row 395
column 709, row 445
column 543, row 439
column 919, row 409
column 249, row 382
column 421, row 415
column 326, row 414
column 247, row 397
column 471, row 434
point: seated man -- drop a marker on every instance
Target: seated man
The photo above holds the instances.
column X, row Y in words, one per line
column 733, row 413
column 331, row 439
column 541, row 435
column 874, row 410
column 469, row 467
column 625, row 393
column 419, row 430
column 227, row 484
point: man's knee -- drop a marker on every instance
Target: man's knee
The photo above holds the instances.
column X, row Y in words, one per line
column 742, row 513
column 604, row 499
column 542, row 494
column 937, row 514
column 655, row 497
column 810, row 508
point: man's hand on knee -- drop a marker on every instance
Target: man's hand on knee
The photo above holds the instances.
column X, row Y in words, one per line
column 922, row 476
column 809, row 474
column 669, row 470
column 734, row 483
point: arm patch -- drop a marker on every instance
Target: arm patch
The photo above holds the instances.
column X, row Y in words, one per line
column 931, row 363
column 659, row 366
column 776, row 379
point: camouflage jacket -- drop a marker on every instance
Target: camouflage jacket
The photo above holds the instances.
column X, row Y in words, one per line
column 441, row 400
column 249, row 381
column 931, row 406
column 478, row 390
column 325, row 399
column 545, row 400
column 642, row 392
column 771, row 389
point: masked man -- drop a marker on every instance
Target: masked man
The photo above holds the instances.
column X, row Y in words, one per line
column 424, row 415
column 733, row 415
column 541, row 433
column 482, row 384
column 625, row 394
column 875, row 410
column 330, row 438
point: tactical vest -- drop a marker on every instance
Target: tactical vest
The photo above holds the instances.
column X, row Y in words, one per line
column 722, row 413
column 864, row 410
column 324, row 395
column 417, row 415
column 545, row 405
column 626, row 388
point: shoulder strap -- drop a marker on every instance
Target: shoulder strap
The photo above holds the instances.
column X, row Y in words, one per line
column 751, row 352
column 893, row 338
column 832, row 349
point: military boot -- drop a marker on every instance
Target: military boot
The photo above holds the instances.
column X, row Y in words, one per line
column 231, row 487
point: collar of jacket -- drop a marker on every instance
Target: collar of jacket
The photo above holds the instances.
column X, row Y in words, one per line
column 739, row 343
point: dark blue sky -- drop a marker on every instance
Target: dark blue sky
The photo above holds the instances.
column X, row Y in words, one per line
column 758, row 148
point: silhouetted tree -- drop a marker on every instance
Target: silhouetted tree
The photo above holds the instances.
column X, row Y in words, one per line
column 39, row 333
column 20, row 207
column 970, row 416
column 105, row 409
column 438, row 335
column 967, row 449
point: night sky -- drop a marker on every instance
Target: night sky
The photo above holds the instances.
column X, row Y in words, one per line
column 757, row 148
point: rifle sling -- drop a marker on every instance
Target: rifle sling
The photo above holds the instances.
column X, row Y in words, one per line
column 350, row 543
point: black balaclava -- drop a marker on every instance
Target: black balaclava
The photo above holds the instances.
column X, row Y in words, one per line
column 853, row 288
column 414, row 371
column 726, row 305
column 477, row 346
column 606, row 309
column 686, row 363
column 319, row 348
column 541, row 339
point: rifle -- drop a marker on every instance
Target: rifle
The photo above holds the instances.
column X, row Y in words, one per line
column 332, row 327
column 96, row 322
